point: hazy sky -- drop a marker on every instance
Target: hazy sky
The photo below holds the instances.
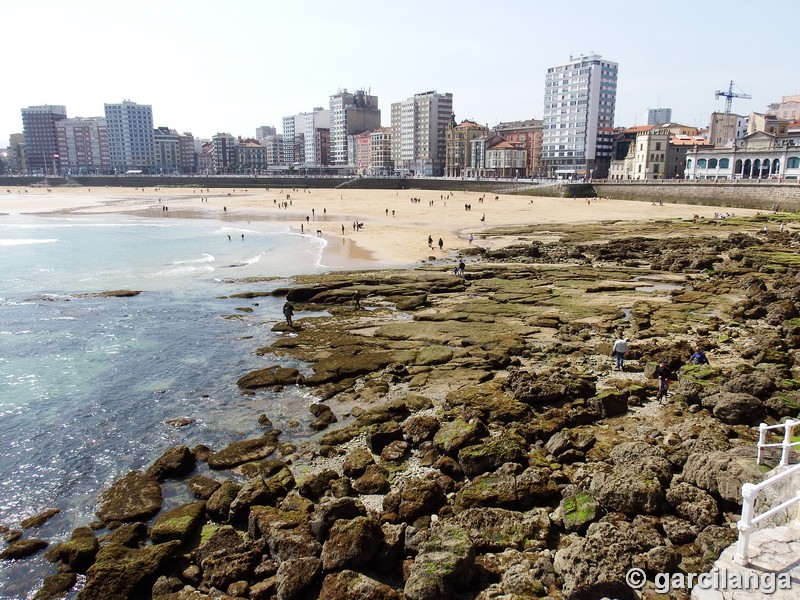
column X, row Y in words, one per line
column 210, row 66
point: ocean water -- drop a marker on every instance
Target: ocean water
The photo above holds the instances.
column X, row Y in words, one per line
column 87, row 383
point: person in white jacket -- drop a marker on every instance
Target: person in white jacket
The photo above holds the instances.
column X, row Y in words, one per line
column 619, row 350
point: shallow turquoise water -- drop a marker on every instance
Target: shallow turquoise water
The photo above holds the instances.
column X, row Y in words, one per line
column 86, row 383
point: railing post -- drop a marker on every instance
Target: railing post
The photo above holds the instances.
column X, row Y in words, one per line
column 745, row 524
column 787, row 439
column 762, row 434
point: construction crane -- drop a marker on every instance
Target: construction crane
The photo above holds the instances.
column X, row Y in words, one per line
column 729, row 96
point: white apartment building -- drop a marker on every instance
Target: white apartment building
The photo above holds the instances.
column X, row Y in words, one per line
column 418, row 133
column 350, row 114
column 381, row 155
column 579, row 102
column 658, row 116
column 167, row 150
column 130, row 136
column 312, row 123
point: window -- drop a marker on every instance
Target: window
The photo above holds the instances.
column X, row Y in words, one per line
column 712, row 163
column 724, row 163
column 793, row 162
column 701, row 163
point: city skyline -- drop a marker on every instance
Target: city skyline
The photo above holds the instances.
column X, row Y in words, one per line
column 279, row 60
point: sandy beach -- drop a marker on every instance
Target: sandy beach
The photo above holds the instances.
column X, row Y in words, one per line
column 395, row 228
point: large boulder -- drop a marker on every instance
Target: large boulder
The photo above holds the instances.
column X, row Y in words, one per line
column 637, row 481
column 22, row 548
column 576, row 512
column 454, row 435
column 416, row 497
column 508, row 487
column 351, row 543
column 178, row 524
column 244, row 451
column 595, row 566
column 735, row 408
column 693, row 504
column 296, row 575
column 491, row 453
column 175, row 462
column 495, row 529
column 78, row 553
column 135, row 497
column 444, row 564
column 327, row 513
column 218, row 505
column 270, row 377
column 261, row 490
column 121, row 572
column 349, row 585
column 723, row 473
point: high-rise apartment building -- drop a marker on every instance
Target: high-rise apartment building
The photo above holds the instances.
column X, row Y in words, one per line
column 350, row 114
column 16, row 153
column 264, row 131
column 188, row 154
column 224, row 153
column 381, row 152
column 579, row 102
column 131, row 136
column 418, row 133
column 83, row 145
column 316, row 153
column 41, row 140
column 658, row 116
column 294, row 139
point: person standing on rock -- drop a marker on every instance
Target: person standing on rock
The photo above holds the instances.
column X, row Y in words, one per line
column 618, row 351
column 664, row 376
column 288, row 312
column 699, row 357
column 357, row 300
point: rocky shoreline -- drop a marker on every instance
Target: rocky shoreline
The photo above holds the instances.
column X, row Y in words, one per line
column 474, row 440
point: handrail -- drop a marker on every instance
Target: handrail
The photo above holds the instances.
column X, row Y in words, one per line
column 786, row 445
column 751, row 490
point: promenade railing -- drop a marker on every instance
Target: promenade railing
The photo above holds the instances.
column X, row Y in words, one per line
column 750, row 491
column 785, row 445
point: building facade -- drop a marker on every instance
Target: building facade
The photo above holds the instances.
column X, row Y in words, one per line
column 274, row 147
column 83, row 146
column 265, row 131
column 418, row 133
column 788, row 108
column 187, row 153
column 41, row 140
column 658, row 116
column 131, row 136
column 350, row 114
column 363, row 153
column 16, row 154
column 724, row 129
column 251, row 156
column 506, row 160
column 381, row 154
column 759, row 155
column 458, row 138
column 167, row 150
column 314, row 152
column 224, row 157
column 579, row 103
column 528, row 134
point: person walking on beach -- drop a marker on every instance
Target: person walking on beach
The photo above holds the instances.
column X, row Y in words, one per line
column 460, row 268
column 441, row 244
column 618, row 351
column 288, row 312
column 430, row 242
column 357, row 300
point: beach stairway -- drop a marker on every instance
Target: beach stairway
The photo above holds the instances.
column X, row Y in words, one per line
column 765, row 561
column 347, row 183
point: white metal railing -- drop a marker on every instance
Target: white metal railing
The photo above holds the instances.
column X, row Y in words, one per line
column 746, row 523
column 786, row 444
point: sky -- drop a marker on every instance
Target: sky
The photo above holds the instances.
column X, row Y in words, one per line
column 209, row 66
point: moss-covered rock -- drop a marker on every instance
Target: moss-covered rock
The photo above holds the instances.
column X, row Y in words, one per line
column 135, row 497
column 178, row 524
